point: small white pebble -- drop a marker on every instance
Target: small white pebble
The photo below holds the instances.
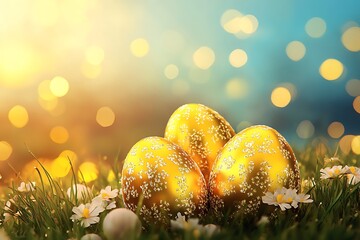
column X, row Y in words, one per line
column 121, row 223
column 91, row 236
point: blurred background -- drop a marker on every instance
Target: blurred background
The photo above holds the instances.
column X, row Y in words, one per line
column 86, row 79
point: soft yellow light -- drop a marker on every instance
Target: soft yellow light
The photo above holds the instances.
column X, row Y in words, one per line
column 204, row 57
column 59, row 134
column 345, row 143
column 48, row 105
column 45, row 12
column 356, row 104
column 111, row 176
column 59, row 86
column 236, row 88
column 331, row 69
column 305, row 129
column 60, row 167
column 88, row 172
column 18, row 116
column 238, row 58
column 315, row 27
column 353, row 87
column 355, row 145
column 139, row 47
column 44, row 91
column 280, row 97
column 19, row 63
column 70, row 155
column 351, row 39
column 105, row 116
column 231, row 21
column 94, row 55
column 295, row 50
column 336, row 129
column 5, row 150
column 249, row 24
column 171, row 71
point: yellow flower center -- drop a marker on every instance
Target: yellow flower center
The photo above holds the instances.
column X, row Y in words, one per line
column 279, row 198
column 86, row 213
column 336, row 172
column 289, row 200
column 104, row 195
column 352, row 169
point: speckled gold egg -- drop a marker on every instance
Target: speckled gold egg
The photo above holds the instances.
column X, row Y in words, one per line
column 161, row 179
column 200, row 131
column 253, row 162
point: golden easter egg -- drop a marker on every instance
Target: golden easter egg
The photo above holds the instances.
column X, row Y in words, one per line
column 159, row 179
column 253, row 162
column 201, row 132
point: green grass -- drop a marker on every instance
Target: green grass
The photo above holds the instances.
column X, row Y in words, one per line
column 335, row 213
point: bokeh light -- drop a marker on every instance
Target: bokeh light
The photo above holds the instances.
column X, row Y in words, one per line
column 305, row 129
column 351, row 39
column 336, row 129
column 18, row 116
column 105, row 116
column 331, row 69
column 5, row 150
column 60, row 167
column 75, row 74
column 171, row 71
column 355, row 145
column 59, row 134
column 238, row 58
column 236, row 88
column 231, row 21
column 204, row 57
column 295, row 50
column 353, row 87
column 59, row 86
column 280, row 97
column 356, row 104
column 315, row 27
column 345, row 143
column 139, row 47
column 45, row 92
column 88, row 171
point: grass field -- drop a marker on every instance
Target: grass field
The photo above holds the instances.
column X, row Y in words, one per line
column 44, row 211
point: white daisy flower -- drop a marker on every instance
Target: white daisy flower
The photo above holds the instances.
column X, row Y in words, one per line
column 302, row 198
column 105, row 198
column 80, row 190
column 26, row 187
column 88, row 214
column 333, row 172
column 286, row 198
column 353, row 175
column 121, row 223
column 279, row 198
